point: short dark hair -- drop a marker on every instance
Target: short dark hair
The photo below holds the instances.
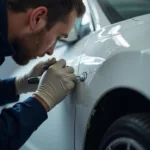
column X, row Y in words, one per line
column 58, row 10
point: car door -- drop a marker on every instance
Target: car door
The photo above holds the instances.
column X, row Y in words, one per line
column 57, row 132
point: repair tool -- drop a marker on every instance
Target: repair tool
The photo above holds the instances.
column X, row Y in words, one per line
column 35, row 80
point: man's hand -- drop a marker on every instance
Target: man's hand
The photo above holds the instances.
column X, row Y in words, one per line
column 55, row 84
column 22, row 85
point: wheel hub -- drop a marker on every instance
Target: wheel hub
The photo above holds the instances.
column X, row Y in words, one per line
column 124, row 144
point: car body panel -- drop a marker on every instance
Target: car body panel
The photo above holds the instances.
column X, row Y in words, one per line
column 97, row 54
column 116, row 56
column 57, row 132
column 113, row 56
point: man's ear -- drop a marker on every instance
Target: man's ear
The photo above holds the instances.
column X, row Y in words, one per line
column 38, row 18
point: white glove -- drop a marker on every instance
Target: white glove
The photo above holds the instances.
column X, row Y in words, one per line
column 21, row 82
column 56, row 83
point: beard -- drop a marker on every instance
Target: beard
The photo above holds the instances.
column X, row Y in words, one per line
column 21, row 56
column 27, row 47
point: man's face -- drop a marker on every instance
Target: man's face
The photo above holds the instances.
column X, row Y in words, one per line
column 38, row 43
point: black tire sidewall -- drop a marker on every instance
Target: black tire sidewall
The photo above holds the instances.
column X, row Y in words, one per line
column 128, row 130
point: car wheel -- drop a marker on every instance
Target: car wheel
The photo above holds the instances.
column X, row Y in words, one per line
column 131, row 132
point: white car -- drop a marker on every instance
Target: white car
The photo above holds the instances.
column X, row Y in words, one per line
column 110, row 109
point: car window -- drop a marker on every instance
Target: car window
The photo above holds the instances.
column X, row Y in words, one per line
column 118, row 10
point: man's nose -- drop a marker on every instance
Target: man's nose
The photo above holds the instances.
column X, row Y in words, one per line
column 51, row 49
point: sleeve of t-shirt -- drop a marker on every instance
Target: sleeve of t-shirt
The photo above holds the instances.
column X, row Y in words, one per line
column 19, row 122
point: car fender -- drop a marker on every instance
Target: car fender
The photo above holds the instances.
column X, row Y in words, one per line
column 127, row 69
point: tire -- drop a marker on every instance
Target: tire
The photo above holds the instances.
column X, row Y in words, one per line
column 132, row 131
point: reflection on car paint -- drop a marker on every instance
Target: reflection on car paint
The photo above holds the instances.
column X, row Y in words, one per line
column 113, row 34
column 145, row 51
column 120, row 41
column 114, row 30
column 89, row 60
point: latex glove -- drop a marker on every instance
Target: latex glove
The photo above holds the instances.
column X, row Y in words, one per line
column 22, row 85
column 56, row 83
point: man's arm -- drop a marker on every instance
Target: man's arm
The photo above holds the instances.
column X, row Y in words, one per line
column 19, row 122
column 8, row 91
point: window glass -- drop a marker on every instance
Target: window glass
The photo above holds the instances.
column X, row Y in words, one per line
column 118, row 10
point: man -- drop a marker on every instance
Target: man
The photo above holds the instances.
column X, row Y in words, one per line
column 31, row 28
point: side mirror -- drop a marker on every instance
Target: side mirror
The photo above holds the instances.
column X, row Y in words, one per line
column 74, row 34
column 81, row 28
column 72, row 37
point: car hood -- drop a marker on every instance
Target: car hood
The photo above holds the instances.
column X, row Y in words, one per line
column 128, row 35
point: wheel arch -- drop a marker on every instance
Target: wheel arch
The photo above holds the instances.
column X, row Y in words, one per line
column 112, row 105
